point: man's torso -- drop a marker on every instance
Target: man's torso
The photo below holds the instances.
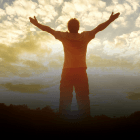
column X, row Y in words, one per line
column 75, row 48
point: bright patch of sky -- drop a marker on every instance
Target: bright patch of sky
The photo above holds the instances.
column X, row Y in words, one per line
column 31, row 60
column 22, row 43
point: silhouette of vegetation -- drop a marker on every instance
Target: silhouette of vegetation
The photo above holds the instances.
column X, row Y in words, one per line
column 20, row 118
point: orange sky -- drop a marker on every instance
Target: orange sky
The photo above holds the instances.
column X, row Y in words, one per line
column 26, row 51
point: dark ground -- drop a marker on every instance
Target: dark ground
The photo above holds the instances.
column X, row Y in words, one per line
column 21, row 119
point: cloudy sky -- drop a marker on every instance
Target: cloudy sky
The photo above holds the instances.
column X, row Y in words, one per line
column 31, row 60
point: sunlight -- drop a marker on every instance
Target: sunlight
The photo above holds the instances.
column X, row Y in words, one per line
column 32, row 52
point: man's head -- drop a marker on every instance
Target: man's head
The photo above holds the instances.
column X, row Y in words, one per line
column 73, row 25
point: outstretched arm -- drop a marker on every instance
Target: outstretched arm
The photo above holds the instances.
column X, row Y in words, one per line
column 40, row 26
column 102, row 26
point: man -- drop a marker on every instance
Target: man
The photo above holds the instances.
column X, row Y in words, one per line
column 74, row 68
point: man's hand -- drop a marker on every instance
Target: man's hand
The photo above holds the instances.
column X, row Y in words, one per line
column 105, row 24
column 40, row 26
column 113, row 17
column 33, row 21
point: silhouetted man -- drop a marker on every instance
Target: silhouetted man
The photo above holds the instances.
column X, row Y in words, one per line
column 74, row 68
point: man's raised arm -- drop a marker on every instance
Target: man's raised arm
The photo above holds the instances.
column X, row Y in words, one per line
column 40, row 26
column 102, row 26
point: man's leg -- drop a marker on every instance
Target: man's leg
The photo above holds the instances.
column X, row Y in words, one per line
column 66, row 89
column 82, row 93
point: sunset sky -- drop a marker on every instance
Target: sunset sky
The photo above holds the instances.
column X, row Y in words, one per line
column 31, row 60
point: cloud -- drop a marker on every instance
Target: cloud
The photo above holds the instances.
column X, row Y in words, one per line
column 121, row 20
column 6, row 69
column 33, row 64
column 23, row 88
column 8, row 54
column 56, row 2
column 1, row 1
column 43, row 2
column 115, row 1
column 15, row 27
column 95, row 42
column 40, row 12
column 97, row 61
column 85, row 11
column 18, row 43
column 125, row 10
column 80, row 6
column 32, row 84
column 25, row 9
column 21, row 46
column 134, row 3
column 12, row 32
column 10, row 10
column 128, row 9
column 56, row 61
column 69, row 9
column 121, row 41
column 30, row 45
column 89, row 13
column 137, row 22
column 118, row 80
column 101, row 4
column 2, row 13
column 122, row 52
column 124, row 47
column 110, row 8
column 120, row 8
column 106, row 15
column 62, row 28
column 20, row 8
column 48, row 11
column 62, row 21
column 115, row 26
column 55, row 64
